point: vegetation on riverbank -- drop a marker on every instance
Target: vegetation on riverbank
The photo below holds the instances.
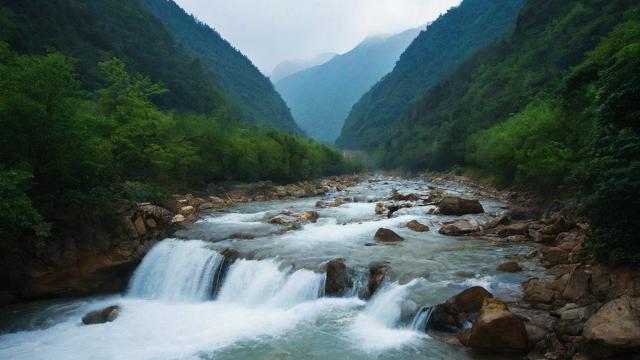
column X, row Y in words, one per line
column 71, row 156
column 555, row 105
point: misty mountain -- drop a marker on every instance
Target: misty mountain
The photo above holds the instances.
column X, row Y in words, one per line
column 232, row 70
column 446, row 43
column 320, row 97
column 291, row 67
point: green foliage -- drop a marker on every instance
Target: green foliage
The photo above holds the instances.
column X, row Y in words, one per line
column 70, row 156
column 446, row 43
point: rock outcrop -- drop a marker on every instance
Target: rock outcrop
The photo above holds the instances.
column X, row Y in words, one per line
column 338, row 280
column 614, row 331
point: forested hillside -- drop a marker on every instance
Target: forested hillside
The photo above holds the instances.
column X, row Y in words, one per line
column 101, row 107
column 556, row 104
column 446, row 43
column 229, row 68
column 321, row 97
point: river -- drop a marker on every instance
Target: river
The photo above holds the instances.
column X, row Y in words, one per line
column 271, row 304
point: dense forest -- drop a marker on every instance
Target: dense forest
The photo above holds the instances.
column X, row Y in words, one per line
column 555, row 105
column 105, row 108
column 322, row 96
column 447, row 42
column 229, row 68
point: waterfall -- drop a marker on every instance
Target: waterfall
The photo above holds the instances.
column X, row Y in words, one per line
column 422, row 319
column 262, row 282
column 176, row 270
column 385, row 308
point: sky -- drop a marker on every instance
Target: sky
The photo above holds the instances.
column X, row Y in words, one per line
column 272, row 31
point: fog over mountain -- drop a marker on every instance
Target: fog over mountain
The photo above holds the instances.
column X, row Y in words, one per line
column 290, row 67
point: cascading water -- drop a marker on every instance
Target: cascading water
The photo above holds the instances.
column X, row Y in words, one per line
column 176, row 270
column 262, row 282
column 422, row 320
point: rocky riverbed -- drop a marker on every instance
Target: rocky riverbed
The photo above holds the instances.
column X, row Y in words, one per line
column 352, row 267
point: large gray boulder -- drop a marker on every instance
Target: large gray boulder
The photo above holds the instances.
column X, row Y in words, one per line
column 452, row 205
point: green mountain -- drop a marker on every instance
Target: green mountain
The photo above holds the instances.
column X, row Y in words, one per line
column 320, row 97
column 94, row 31
column 291, row 67
column 555, row 108
column 229, row 68
column 446, row 43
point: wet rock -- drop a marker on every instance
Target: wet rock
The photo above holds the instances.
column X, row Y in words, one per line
column 459, row 227
column 377, row 273
column 615, row 329
column 230, row 257
column 309, row 216
column 396, row 196
column 451, row 205
column 517, row 238
column 496, row 330
column 338, row 280
column 379, row 210
column 509, row 266
column 332, row 203
column 101, row 316
column 178, row 219
column 452, row 314
column 386, row 235
column 417, row 226
column 141, row 229
column 500, row 220
column 283, row 219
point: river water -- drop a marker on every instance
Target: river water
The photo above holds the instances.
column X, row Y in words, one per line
column 271, row 303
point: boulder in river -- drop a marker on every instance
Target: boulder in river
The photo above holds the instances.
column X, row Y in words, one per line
column 386, row 235
column 614, row 330
column 101, row 316
column 453, row 313
column 452, row 205
column 496, row 330
column 379, row 210
column 509, row 266
column 338, row 280
column 309, row 216
column 417, row 226
column 459, row 227
column 377, row 273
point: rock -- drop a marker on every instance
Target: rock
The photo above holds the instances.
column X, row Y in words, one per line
column 338, row 280
column 459, row 227
column 452, row 314
column 557, row 226
column 500, row 220
column 377, row 273
column 517, row 238
column 101, row 316
column 452, row 205
column 283, row 219
column 509, row 266
column 309, row 216
column 615, row 328
column 537, row 290
column 386, row 235
column 141, row 229
column 416, row 226
column 513, row 229
column 178, row 219
column 396, row 196
column 189, row 213
column 577, row 286
column 553, row 256
column 496, row 330
column 151, row 223
column 379, row 210
column 523, row 213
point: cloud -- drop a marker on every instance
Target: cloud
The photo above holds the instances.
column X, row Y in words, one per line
column 271, row 31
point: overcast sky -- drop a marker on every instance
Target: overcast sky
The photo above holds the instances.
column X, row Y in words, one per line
column 271, row 31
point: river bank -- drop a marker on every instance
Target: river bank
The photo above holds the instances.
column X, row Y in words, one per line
column 402, row 256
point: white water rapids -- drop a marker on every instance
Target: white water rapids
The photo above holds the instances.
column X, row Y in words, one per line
column 271, row 305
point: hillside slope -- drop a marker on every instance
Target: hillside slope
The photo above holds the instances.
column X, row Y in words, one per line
column 96, row 31
column 446, row 43
column 291, row 67
column 229, row 68
column 320, row 97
